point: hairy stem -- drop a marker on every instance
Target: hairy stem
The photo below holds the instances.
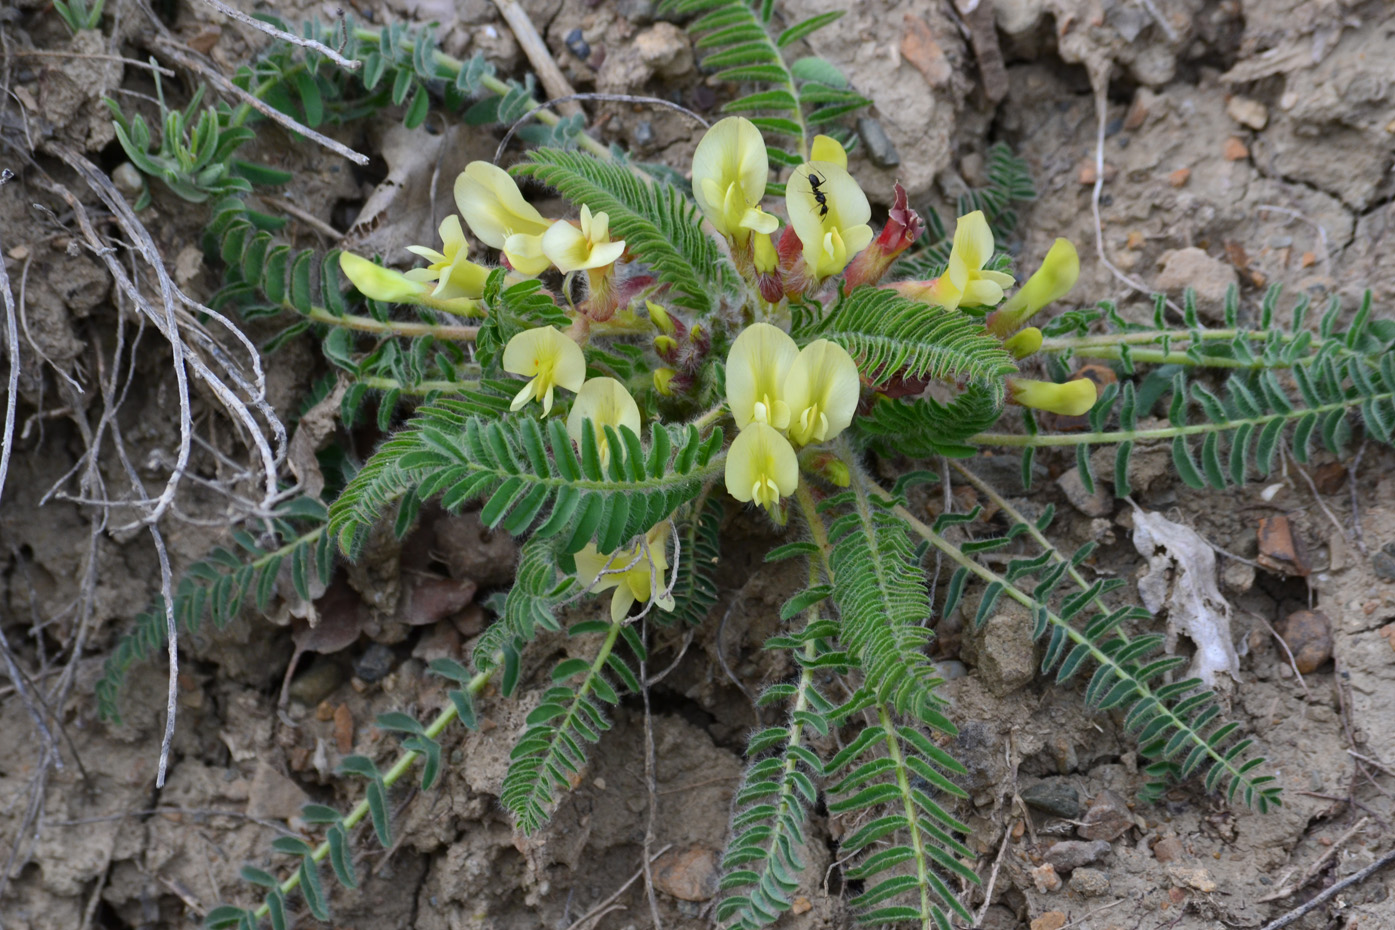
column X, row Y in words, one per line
column 1163, row 432
column 365, row 324
column 1141, row 689
column 922, row 870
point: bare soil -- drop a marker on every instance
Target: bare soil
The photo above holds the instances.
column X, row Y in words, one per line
column 1248, row 141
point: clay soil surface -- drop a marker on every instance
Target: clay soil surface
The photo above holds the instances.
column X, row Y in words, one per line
column 1246, row 142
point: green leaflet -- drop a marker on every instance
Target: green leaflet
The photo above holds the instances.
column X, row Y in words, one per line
column 526, row 474
column 893, row 337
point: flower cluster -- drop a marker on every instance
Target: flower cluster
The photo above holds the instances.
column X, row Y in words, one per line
column 499, row 216
column 782, row 397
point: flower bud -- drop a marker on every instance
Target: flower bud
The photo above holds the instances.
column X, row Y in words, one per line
column 1070, row 399
column 1052, row 281
column 663, row 381
column 1024, row 343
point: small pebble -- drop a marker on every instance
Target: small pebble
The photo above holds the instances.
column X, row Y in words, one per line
column 127, row 179
column 1051, row 920
column 1108, row 817
column 1168, row 849
column 1045, row 878
column 577, row 45
column 1089, row 882
column 643, row 134
column 1235, row 150
column 1383, row 564
column 1068, row 855
column 1055, row 796
column 879, row 146
column 376, row 661
column 1308, row 635
column 314, row 684
column 1179, row 177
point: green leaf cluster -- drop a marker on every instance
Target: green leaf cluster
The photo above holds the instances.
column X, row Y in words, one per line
column 805, row 96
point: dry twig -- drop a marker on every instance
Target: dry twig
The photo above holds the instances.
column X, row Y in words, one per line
column 1331, row 892
column 168, row 46
column 348, row 64
column 539, row 56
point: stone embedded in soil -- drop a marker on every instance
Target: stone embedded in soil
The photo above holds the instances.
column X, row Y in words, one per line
column 1247, row 112
column 273, row 796
column 1005, row 654
column 1051, row 920
column 1208, row 277
column 1045, row 878
column 1308, row 635
column 665, row 49
column 1099, row 503
column 1383, row 563
column 688, row 874
column 1055, row 796
column 1234, row 150
column 375, row 663
column 1089, row 882
column 1198, row 879
column 343, row 729
column 879, row 145
column 1280, row 550
column 1069, row 855
column 1107, row 818
column 1168, row 849
column 316, row 683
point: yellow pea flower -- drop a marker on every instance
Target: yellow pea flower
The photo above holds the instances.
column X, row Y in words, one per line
column 829, row 214
column 730, row 167
column 584, row 247
column 453, row 274
column 761, row 466
column 549, row 359
column 378, row 283
column 1052, row 281
column 757, row 367
column 965, row 283
column 497, row 214
column 636, row 574
column 605, row 402
column 1070, row 399
column 822, row 391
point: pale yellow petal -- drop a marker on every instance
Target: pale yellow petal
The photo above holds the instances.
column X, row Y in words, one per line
column 569, row 369
column 732, row 152
column 525, row 253
column 431, row 255
column 493, row 206
column 982, row 292
column 757, row 366
column 590, row 564
column 378, row 283
column 829, row 149
column 973, row 239
column 620, row 603
column 452, row 236
column 566, row 246
column 607, row 253
column 605, row 402
column 1052, row 281
column 761, row 466
column 824, row 390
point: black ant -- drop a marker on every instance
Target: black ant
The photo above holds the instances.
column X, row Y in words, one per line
column 820, row 196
